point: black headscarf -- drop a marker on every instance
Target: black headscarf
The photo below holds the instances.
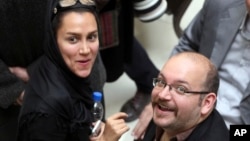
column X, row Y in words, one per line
column 53, row 85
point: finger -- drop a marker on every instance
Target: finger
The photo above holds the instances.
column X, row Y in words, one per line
column 119, row 115
column 11, row 69
column 119, row 132
column 19, row 102
column 144, row 119
column 139, row 130
column 116, row 124
column 123, row 129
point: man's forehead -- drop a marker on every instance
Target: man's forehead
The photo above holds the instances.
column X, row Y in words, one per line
column 183, row 70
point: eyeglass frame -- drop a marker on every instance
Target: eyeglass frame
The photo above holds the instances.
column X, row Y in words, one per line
column 61, row 7
column 175, row 89
column 83, row 2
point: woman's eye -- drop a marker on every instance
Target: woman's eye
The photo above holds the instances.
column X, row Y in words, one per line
column 72, row 39
column 92, row 37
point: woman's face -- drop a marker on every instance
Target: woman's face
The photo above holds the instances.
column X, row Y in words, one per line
column 78, row 42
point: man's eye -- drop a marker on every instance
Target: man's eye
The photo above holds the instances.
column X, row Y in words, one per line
column 181, row 89
column 160, row 83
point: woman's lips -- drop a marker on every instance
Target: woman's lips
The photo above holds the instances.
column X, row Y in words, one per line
column 83, row 62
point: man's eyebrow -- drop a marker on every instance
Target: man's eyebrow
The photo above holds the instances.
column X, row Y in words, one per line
column 161, row 75
column 182, row 82
column 176, row 81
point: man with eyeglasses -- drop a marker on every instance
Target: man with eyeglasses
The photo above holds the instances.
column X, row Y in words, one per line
column 221, row 32
column 183, row 101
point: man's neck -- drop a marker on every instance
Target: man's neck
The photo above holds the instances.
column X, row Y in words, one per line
column 179, row 137
column 165, row 137
column 184, row 135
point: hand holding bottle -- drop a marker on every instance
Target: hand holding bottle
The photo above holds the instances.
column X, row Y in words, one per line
column 113, row 129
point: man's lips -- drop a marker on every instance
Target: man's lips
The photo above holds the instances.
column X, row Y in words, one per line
column 164, row 107
column 161, row 107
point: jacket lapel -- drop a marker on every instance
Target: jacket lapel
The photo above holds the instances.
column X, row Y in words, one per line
column 229, row 24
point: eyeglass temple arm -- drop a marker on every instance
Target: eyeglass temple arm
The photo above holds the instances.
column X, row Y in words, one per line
column 195, row 92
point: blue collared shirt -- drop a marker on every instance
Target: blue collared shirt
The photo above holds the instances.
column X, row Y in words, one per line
column 235, row 75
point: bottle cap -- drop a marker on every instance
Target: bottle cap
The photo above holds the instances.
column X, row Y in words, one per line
column 97, row 96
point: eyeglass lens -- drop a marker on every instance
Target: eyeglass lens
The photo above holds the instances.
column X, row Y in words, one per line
column 67, row 3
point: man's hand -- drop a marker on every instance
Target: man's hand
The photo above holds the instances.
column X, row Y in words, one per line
column 143, row 121
column 19, row 100
column 23, row 75
column 20, row 73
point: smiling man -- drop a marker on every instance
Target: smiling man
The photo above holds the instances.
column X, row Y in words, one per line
column 183, row 101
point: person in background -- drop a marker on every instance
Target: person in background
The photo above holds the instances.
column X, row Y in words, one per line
column 122, row 52
column 18, row 54
column 206, row 35
column 184, row 100
column 58, row 97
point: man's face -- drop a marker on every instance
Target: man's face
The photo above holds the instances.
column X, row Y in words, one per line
column 176, row 112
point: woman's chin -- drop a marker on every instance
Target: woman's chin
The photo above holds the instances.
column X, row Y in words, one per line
column 83, row 73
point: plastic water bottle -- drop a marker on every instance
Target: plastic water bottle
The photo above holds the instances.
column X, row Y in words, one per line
column 98, row 107
column 98, row 112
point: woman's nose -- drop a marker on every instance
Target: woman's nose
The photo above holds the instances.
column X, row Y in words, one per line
column 84, row 49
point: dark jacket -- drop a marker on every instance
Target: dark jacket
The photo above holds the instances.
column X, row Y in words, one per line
column 20, row 45
column 211, row 129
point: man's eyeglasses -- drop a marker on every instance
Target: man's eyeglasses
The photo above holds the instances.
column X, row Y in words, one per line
column 159, row 83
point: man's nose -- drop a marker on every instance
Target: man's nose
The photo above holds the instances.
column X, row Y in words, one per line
column 166, row 92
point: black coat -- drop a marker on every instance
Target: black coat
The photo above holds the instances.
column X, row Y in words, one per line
column 211, row 129
column 21, row 43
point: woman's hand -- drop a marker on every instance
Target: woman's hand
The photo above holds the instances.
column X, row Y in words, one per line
column 114, row 128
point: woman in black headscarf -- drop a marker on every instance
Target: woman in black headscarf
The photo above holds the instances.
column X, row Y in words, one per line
column 58, row 98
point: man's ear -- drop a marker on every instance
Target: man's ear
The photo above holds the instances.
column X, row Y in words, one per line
column 208, row 103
